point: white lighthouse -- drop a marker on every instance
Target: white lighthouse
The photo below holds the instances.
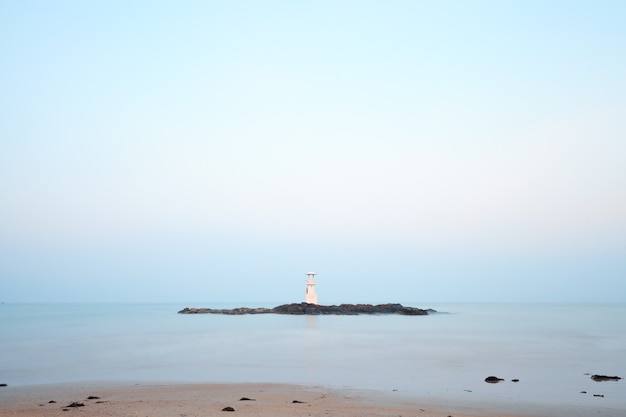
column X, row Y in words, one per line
column 311, row 297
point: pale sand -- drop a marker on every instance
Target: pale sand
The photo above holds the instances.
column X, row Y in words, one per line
column 178, row 400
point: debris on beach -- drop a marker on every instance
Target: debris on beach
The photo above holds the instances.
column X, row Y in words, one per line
column 228, row 409
column 298, row 402
column 493, row 379
column 93, row 397
column 3, row 385
column 246, row 399
column 600, row 378
column 515, row 380
column 75, row 404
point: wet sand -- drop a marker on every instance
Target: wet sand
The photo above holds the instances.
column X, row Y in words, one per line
column 191, row 400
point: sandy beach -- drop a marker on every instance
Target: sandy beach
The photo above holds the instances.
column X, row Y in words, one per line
column 191, row 400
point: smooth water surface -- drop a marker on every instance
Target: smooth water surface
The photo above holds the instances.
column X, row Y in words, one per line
column 549, row 347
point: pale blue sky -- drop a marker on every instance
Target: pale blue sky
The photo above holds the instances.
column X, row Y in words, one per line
column 216, row 151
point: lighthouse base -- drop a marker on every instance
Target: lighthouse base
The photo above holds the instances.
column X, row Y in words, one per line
column 311, row 298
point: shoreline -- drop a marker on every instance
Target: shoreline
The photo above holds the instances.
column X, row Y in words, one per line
column 161, row 399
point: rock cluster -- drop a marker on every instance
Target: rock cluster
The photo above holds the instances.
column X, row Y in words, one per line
column 315, row 309
column 600, row 378
column 234, row 311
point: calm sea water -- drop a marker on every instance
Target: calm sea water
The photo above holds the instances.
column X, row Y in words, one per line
column 550, row 348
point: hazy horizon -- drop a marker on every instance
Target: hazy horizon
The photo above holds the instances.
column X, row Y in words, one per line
column 442, row 151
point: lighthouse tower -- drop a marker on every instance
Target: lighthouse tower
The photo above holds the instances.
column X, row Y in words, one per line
column 311, row 297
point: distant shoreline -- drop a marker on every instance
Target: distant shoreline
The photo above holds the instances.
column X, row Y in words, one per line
column 316, row 309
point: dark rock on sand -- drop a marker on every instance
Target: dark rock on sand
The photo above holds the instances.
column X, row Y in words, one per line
column 493, row 379
column 93, row 397
column 600, row 378
column 298, row 402
column 75, row 404
column 3, row 385
column 228, row 409
column 52, row 402
column 515, row 380
column 246, row 399
column 315, row 309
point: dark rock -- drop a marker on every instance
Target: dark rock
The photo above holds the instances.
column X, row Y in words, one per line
column 599, row 395
column 347, row 309
column 234, row 311
column 298, row 402
column 3, row 385
column 246, row 399
column 515, row 380
column 75, row 404
column 228, row 409
column 493, row 379
column 315, row 309
column 600, row 378
column 52, row 402
column 583, row 392
column 93, row 397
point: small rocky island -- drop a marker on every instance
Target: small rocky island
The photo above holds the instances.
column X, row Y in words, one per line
column 316, row 309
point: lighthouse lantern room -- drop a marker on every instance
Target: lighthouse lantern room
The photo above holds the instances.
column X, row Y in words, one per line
column 311, row 296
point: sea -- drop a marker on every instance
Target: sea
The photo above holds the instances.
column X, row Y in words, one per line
column 551, row 350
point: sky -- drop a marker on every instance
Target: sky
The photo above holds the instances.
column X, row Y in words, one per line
column 406, row 151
